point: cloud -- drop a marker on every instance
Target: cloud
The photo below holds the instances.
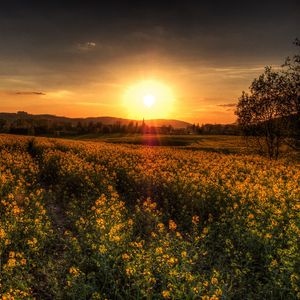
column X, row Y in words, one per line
column 155, row 33
column 59, row 94
column 86, row 46
column 93, row 104
column 227, row 105
column 29, row 93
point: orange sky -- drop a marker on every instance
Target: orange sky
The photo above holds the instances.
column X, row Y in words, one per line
column 79, row 60
column 202, row 94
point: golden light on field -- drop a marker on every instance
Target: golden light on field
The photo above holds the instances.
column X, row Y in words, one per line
column 149, row 99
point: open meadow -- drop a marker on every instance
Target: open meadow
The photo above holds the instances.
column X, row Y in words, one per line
column 213, row 143
column 93, row 220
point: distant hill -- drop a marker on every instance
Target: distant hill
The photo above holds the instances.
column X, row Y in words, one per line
column 104, row 120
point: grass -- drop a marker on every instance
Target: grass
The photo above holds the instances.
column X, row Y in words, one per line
column 211, row 143
column 226, row 144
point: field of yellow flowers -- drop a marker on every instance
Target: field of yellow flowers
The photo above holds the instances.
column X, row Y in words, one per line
column 86, row 220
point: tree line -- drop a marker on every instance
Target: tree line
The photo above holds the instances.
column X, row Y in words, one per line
column 45, row 127
column 215, row 129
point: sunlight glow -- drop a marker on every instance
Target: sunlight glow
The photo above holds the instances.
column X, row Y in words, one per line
column 149, row 99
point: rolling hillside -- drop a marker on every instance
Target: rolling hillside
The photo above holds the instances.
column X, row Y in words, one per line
column 104, row 120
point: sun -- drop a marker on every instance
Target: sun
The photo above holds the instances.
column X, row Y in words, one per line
column 148, row 99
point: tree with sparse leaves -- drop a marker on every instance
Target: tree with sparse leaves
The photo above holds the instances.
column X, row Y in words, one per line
column 269, row 113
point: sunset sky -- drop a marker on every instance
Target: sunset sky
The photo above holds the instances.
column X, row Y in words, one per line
column 84, row 58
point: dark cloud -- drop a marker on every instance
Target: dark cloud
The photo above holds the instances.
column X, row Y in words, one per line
column 228, row 105
column 186, row 30
column 29, row 93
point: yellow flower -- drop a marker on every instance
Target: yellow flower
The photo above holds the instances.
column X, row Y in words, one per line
column 214, row 281
column 151, row 280
column 32, row 243
column 96, row 296
column 2, row 233
column 153, row 234
column 183, row 254
column 101, row 223
column 178, row 234
column 16, row 210
column 173, row 273
column 115, row 238
column 11, row 263
column 138, row 244
column 172, row 261
column 205, row 230
column 172, row 225
column 149, row 206
column 102, row 249
column 160, row 227
column 125, row 256
column 74, row 271
column 166, row 294
column 189, row 276
column 159, row 250
column 129, row 271
column 195, row 220
column 274, row 263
